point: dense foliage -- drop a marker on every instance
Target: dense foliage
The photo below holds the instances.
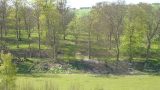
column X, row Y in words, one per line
column 7, row 72
column 105, row 32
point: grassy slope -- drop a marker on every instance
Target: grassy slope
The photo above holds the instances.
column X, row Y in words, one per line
column 89, row 82
column 82, row 12
column 11, row 40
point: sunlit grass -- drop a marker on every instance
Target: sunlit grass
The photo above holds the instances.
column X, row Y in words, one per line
column 26, row 46
column 87, row 82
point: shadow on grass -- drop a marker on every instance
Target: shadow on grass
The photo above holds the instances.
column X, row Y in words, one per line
column 38, row 75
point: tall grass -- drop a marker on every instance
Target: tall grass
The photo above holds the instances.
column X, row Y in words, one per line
column 88, row 82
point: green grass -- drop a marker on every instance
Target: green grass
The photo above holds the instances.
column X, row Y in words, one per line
column 88, row 82
column 25, row 46
column 82, row 12
column 11, row 40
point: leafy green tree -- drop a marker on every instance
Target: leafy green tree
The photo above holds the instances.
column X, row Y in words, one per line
column 8, row 72
column 53, row 27
column 66, row 15
column 134, row 30
column 152, row 22
column 17, row 4
column 74, row 29
column 3, row 16
column 38, row 9
column 28, row 21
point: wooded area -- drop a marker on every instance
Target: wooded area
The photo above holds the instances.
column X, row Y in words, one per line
column 48, row 37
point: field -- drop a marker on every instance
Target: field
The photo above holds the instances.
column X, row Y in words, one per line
column 87, row 82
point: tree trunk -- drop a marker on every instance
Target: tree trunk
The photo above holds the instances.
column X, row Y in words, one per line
column 55, row 48
column 17, row 26
column 1, row 32
column 1, row 39
column 147, row 53
column 130, row 49
column 39, row 37
column 117, row 57
column 118, row 49
column 117, row 46
column 64, row 35
column 148, row 50
column 76, row 44
column 5, row 30
column 29, row 44
column 110, row 40
column 97, row 37
column 55, row 53
column 17, row 35
column 4, row 22
column 17, row 39
column 89, row 45
column 63, row 27
column 19, row 30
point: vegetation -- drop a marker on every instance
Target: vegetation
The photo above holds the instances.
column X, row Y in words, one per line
column 47, row 36
column 8, row 72
column 87, row 82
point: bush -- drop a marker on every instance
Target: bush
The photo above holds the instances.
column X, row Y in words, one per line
column 3, row 45
column 61, row 69
column 24, row 67
column 8, row 72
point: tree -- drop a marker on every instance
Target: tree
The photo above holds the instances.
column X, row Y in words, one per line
column 112, row 15
column 134, row 30
column 66, row 15
column 8, row 72
column 28, row 19
column 52, row 23
column 152, row 21
column 115, row 15
column 74, row 29
column 89, row 23
column 37, row 13
column 17, row 4
column 3, row 4
column 102, row 24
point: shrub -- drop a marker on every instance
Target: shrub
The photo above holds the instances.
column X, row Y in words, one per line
column 8, row 72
